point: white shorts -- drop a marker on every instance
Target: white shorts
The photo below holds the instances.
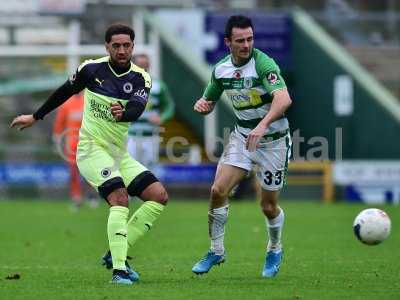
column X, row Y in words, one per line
column 270, row 159
column 145, row 149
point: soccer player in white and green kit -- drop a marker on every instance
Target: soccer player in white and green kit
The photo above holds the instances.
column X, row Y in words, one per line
column 115, row 94
column 257, row 91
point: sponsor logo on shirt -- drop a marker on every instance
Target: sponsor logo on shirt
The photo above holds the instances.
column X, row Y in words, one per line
column 237, row 84
column 101, row 111
column 141, row 93
column 239, row 98
column 100, row 82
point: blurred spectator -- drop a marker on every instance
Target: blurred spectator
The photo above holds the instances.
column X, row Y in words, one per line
column 66, row 136
column 144, row 140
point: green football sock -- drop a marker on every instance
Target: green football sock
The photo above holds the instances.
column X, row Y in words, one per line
column 142, row 220
column 117, row 235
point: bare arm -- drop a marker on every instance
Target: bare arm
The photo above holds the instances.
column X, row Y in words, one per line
column 280, row 104
column 203, row 106
column 72, row 86
column 213, row 91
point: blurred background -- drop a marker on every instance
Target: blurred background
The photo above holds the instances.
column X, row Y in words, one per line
column 340, row 60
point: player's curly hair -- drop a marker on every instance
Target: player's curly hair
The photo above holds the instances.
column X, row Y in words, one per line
column 119, row 28
column 237, row 21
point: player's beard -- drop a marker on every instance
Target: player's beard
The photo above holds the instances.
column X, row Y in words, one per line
column 122, row 62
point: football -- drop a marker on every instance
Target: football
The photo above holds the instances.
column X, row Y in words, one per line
column 372, row 226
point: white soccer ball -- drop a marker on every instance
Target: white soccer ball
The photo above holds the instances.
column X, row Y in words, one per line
column 372, row 226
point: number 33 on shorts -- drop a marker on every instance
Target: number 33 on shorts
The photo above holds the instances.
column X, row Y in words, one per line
column 269, row 177
column 271, row 180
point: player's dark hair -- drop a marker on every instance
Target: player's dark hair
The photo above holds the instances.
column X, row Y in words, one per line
column 119, row 28
column 237, row 21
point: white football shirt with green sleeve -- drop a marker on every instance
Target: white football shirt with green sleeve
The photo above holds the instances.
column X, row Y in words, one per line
column 250, row 88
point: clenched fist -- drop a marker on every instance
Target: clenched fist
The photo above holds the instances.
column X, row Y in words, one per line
column 203, row 106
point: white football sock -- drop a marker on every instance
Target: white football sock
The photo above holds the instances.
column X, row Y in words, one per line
column 216, row 226
column 274, row 228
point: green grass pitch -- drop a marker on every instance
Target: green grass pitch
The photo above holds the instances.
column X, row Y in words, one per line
column 56, row 253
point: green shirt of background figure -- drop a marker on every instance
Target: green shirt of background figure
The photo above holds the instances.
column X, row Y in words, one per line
column 144, row 139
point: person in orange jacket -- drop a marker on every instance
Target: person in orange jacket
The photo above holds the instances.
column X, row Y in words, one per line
column 66, row 136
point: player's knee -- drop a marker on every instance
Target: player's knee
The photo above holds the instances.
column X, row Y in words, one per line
column 162, row 197
column 269, row 209
column 218, row 192
column 114, row 192
column 119, row 197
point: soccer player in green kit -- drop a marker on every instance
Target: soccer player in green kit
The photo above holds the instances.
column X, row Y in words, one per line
column 257, row 91
column 115, row 94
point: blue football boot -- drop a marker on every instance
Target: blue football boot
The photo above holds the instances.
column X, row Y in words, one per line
column 272, row 264
column 107, row 262
column 121, row 277
column 205, row 264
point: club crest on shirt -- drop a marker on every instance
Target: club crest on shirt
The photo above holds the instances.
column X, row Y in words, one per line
column 237, row 74
column 247, row 82
column 272, row 78
column 127, row 87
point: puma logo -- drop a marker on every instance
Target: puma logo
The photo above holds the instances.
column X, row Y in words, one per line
column 100, row 82
column 123, row 234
